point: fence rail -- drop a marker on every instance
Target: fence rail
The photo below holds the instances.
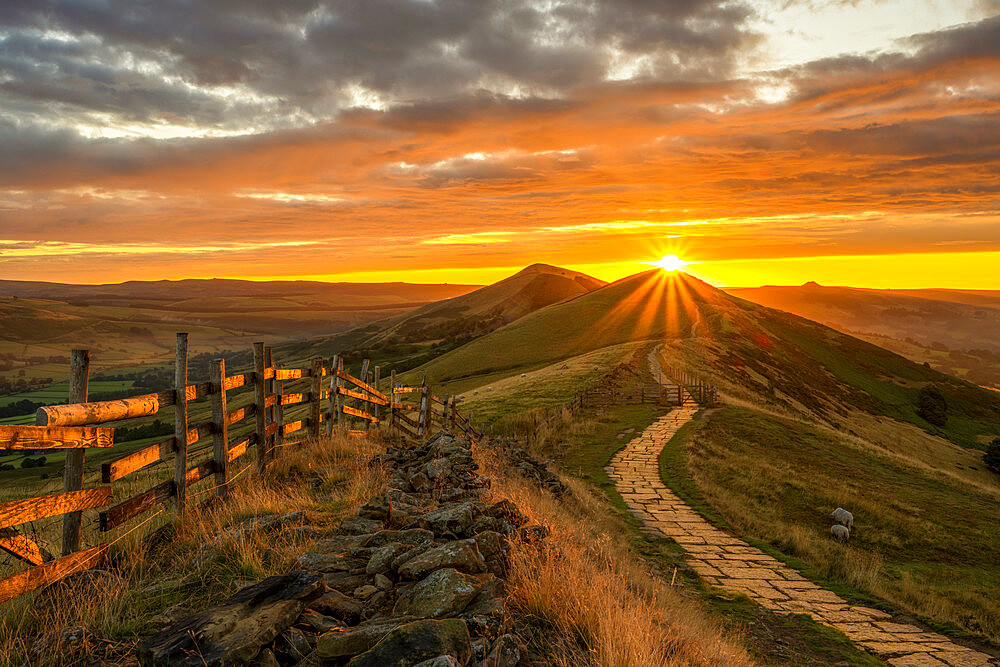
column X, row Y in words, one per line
column 249, row 411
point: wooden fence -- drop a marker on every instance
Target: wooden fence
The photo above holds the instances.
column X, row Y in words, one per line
column 249, row 411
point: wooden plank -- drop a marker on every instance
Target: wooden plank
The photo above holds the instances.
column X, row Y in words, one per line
column 361, row 385
column 55, row 437
column 241, row 414
column 147, row 500
column 49, row 573
column 199, row 472
column 292, row 399
column 357, row 433
column 236, row 381
column 200, row 431
column 239, row 449
column 128, row 464
column 407, row 390
column 343, row 391
column 195, row 391
column 348, row 410
column 289, row 373
column 100, row 412
column 292, row 427
column 23, row 547
column 270, row 400
column 405, row 430
column 271, row 429
column 406, row 420
column 269, row 373
column 16, row 512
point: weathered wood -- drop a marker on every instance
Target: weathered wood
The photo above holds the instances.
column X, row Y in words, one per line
column 236, row 381
column 405, row 430
column 137, row 460
column 23, row 547
column 199, row 472
column 195, row 391
column 361, row 385
column 292, row 427
column 357, row 433
column 118, row 514
column 331, row 405
column 180, row 423
column 392, row 396
column 239, row 449
column 289, row 374
column 272, row 411
column 317, row 395
column 55, row 437
column 341, row 422
column 242, row 413
column 343, row 391
column 261, row 397
column 220, row 428
column 80, row 413
column 354, row 412
column 382, row 401
column 200, row 431
column 79, row 383
column 292, row 399
column 406, row 420
column 407, row 390
column 424, row 406
column 16, row 512
column 49, row 573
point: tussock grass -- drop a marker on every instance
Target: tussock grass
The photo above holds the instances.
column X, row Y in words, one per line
column 590, row 600
column 324, row 479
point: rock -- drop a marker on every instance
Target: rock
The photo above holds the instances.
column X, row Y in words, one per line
column 486, row 523
column 442, row 593
column 234, row 631
column 359, row 525
column 506, row 509
column 420, row 482
column 293, row 645
column 337, row 544
column 412, row 536
column 440, row 661
column 345, row 582
column 383, row 582
column 374, row 605
column 485, row 613
column 506, row 653
column 416, row 642
column 383, row 557
column 171, row 615
column 378, row 508
column 462, row 555
column 315, row 562
column 357, row 640
column 491, row 544
column 452, row 520
column 317, row 622
column 334, row 603
column 265, row 659
column 365, row 592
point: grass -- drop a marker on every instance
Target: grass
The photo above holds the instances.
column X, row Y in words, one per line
column 923, row 542
column 583, row 448
column 148, row 579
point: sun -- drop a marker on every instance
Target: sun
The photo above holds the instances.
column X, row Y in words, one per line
column 670, row 263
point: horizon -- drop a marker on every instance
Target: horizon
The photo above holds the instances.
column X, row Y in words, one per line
column 849, row 143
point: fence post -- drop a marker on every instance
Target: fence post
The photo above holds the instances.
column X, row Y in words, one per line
column 341, row 420
column 279, row 415
column 180, row 424
column 260, row 395
column 331, row 406
column 220, row 429
column 79, row 382
column 271, row 411
column 444, row 412
column 317, row 395
column 375, row 382
column 424, row 404
column 392, row 398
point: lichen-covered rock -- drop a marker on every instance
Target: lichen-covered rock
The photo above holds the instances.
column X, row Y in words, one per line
column 234, row 631
column 359, row 525
column 413, row 643
column 382, row 558
column 378, row 508
column 440, row 661
column 345, row 582
column 506, row 653
column 346, row 644
column 452, row 520
column 337, row 544
column 338, row 605
column 462, row 555
column 411, row 536
column 441, row 593
column 316, row 562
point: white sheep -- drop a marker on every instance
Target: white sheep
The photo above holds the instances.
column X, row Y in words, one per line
column 489, row 389
column 843, row 517
column 840, row 533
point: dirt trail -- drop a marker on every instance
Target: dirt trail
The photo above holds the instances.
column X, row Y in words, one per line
column 729, row 563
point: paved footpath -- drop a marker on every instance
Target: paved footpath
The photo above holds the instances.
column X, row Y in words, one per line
column 729, row 563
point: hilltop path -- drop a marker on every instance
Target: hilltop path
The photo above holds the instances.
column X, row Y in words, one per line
column 727, row 562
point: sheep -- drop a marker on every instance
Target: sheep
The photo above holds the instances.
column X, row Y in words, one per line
column 840, row 533
column 524, row 375
column 843, row 517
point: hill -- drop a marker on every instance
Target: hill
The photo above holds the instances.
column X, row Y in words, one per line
column 133, row 323
column 453, row 321
column 791, row 363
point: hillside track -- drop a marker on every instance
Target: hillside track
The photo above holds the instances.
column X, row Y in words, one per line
column 729, row 563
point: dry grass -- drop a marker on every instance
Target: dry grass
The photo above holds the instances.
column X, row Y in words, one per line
column 591, row 600
column 144, row 580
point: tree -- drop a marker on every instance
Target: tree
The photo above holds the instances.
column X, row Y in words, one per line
column 992, row 456
column 932, row 406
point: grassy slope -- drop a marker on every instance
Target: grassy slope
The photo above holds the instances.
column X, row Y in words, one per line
column 923, row 541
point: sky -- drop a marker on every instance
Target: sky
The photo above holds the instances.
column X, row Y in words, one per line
column 850, row 142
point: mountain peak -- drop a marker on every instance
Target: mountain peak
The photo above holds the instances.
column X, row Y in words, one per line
column 811, row 283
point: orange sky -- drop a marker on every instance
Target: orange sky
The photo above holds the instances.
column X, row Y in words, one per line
column 738, row 149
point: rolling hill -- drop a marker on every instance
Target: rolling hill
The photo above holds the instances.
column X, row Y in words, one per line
column 452, row 321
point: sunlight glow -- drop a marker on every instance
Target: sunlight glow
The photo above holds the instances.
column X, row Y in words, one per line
column 670, row 263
